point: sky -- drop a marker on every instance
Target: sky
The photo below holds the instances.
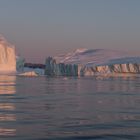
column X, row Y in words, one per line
column 42, row 28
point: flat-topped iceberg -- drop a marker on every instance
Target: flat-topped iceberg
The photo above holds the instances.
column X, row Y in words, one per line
column 84, row 62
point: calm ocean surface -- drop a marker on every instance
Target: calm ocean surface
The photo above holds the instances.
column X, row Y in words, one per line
column 40, row 108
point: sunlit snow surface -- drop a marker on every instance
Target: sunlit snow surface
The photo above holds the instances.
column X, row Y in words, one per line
column 7, row 56
column 90, row 57
column 94, row 57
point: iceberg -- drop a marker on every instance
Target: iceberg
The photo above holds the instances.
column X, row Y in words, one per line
column 38, row 71
column 90, row 62
column 20, row 64
column 37, row 68
column 9, row 62
column 60, row 69
column 7, row 56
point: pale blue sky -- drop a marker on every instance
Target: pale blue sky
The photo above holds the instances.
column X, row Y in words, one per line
column 40, row 28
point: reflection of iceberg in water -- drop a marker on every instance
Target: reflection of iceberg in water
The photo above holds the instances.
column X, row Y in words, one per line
column 7, row 117
column 7, row 132
column 7, row 84
column 7, row 107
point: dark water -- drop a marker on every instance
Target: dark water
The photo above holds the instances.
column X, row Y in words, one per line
column 40, row 108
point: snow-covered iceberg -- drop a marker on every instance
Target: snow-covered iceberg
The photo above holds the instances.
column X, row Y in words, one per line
column 90, row 56
column 7, row 56
column 85, row 62
column 9, row 62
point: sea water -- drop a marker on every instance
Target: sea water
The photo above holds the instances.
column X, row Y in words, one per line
column 86, row 108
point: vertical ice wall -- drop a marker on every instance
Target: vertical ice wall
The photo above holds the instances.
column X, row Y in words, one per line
column 20, row 64
column 7, row 56
column 61, row 69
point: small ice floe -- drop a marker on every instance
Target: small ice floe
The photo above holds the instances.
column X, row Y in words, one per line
column 30, row 73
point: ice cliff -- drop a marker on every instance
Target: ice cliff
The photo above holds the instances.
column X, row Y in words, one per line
column 7, row 56
column 60, row 69
column 84, row 62
column 9, row 62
